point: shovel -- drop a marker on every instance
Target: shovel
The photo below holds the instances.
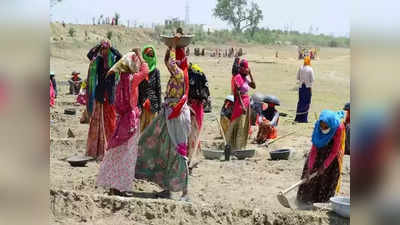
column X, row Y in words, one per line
column 227, row 150
column 281, row 196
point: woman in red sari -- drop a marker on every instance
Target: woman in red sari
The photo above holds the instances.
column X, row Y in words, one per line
column 239, row 127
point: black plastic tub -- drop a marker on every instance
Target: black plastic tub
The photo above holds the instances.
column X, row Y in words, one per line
column 242, row 154
column 79, row 161
column 70, row 111
column 280, row 154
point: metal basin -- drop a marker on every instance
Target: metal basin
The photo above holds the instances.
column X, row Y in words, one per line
column 341, row 205
column 212, row 154
column 78, row 161
column 280, row 154
column 70, row 111
column 242, row 154
column 182, row 42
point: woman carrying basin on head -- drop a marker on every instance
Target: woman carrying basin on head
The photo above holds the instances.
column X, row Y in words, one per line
column 163, row 146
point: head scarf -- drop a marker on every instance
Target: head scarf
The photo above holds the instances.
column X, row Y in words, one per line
column 108, row 58
column 151, row 61
column 307, row 61
column 235, row 66
column 244, row 64
column 105, row 44
column 333, row 120
column 181, row 58
column 197, row 68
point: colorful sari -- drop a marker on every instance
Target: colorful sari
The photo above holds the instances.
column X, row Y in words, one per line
column 162, row 152
column 196, row 118
column 82, row 97
column 268, row 122
column 100, row 99
column 327, row 152
column 117, row 170
column 238, row 131
column 198, row 94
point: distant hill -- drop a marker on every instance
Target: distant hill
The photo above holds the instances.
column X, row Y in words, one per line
column 88, row 35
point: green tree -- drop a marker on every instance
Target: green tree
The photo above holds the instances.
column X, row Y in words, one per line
column 254, row 18
column 238, row 14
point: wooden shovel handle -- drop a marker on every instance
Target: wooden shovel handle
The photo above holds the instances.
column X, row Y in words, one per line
column 220, row 128
column 298, row 184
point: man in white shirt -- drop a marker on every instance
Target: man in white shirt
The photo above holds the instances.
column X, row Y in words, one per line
column 305, row 77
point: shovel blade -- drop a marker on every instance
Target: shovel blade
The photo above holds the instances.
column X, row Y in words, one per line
column 283, row 200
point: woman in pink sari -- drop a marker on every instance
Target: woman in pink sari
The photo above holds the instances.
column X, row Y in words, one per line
column 52, row 95
column 238, row 131
column 117, row 170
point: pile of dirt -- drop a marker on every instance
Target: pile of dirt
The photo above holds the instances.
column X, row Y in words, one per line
column 74, row 207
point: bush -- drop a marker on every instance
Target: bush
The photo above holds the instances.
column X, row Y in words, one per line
column 333, row 44
column 109, row 35
column 71, row 32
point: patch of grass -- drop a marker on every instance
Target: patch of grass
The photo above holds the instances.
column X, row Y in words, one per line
column 109, row 35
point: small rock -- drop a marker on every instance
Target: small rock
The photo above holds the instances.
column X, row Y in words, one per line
column 70, row 133
column 149, row 216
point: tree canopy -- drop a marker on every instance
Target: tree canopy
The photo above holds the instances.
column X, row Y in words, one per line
column 238, row 14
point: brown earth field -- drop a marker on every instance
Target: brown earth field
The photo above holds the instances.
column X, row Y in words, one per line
column 233, row 192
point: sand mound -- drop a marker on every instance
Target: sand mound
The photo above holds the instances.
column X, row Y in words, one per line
column 100, row 209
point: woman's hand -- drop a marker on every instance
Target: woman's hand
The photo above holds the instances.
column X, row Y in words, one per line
column 307, row 176
column 252, row 84
column 166, row 57
column 138, row 54
column 136, row 50
column 244, row 110
column 110, row 72
column 178, row 35
column 321, row 171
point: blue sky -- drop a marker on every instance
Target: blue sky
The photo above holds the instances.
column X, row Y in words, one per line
column 331, row 17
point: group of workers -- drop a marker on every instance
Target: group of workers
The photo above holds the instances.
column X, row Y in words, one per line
column 330, row 138
column 136, row 135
